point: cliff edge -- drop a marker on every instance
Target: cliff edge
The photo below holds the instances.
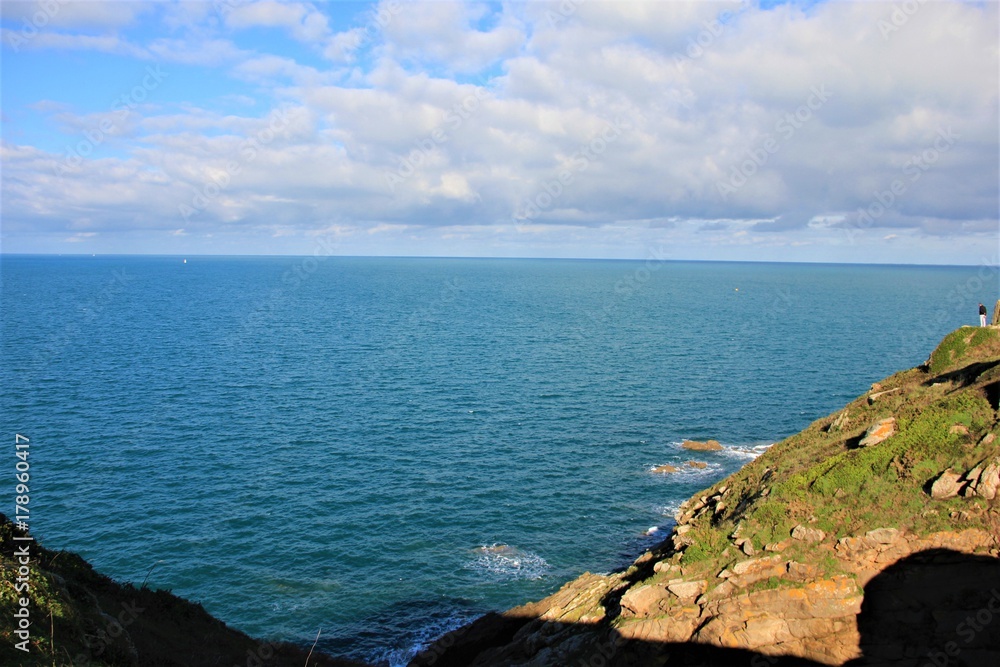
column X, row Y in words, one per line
column 77, row 616
column 871, row 537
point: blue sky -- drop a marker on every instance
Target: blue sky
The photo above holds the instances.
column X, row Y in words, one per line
column 744, row 130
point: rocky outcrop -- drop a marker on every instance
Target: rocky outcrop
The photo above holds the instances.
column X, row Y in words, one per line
column 816, row 621
column 707, row 446
column 947, row 485
column 803, row 556
column 878, row 432
column 806, row 534
column 983, row 480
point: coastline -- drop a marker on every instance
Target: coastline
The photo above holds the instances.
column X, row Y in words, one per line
column 778, row 561
column 779, row 564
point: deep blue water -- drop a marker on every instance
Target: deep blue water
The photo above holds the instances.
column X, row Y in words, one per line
column 304, row 444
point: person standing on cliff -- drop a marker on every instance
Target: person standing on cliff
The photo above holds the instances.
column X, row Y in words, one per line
column 982, row 315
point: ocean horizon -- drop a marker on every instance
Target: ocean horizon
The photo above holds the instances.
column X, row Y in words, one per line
column 984, row 262
column 383, row 448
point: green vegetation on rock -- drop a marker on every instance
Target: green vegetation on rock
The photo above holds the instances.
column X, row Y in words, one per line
column 81, row 617
column 943, row 415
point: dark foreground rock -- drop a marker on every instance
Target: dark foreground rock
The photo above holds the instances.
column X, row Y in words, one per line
column 81, row 617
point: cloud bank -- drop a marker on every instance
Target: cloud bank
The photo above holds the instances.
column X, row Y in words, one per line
column 829, row 131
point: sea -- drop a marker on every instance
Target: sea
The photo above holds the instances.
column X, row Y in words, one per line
column 376, row 450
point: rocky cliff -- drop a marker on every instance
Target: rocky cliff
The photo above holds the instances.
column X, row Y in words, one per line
column 871, row 537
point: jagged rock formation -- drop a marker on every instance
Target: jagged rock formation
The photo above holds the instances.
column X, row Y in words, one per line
column 806, row 555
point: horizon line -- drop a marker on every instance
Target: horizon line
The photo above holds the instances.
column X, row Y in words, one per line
column 493, row 257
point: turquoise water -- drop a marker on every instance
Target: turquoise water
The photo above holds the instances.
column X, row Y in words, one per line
column 382, row 448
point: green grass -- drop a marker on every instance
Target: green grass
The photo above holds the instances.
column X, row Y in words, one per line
column 959, row 346
column 818, row 478
column 709, row 543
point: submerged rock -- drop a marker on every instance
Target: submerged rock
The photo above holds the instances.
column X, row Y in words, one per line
column 707, row 446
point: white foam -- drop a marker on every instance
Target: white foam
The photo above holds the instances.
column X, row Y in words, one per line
column 711, row 469
column 424, row 637
column 670, row 509
column 507, row 563
column 746, row 452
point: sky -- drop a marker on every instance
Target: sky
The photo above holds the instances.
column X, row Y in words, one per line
column 837, row 131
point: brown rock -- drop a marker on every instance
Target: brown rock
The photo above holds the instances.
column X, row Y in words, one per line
column 883, row 535
column 988, row 439
column 872, row 398
column 848, row 545
column 666, row 468
column 777, row 547
column 749, row 572
column 723, row 590
column 959, row 429
column 665, row 566
column 989, row 481
column 746, row 546
column 780, row 620
column 878, row 432
column 765, row 631
column 801, row 571
column 755, row 565
column 643, row 601
column 806, row 534
column 697, row 464
column 688, row 590
column 707, row 446
column 676, row 628
column 947, row 485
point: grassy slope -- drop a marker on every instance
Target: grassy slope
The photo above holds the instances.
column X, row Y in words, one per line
column 821, row 479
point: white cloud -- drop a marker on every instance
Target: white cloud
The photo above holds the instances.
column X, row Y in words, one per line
column 196, row 50
column 69, row 42
column 445, row 34
column 302, row 20
column 414, row 136
column 66, row 14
